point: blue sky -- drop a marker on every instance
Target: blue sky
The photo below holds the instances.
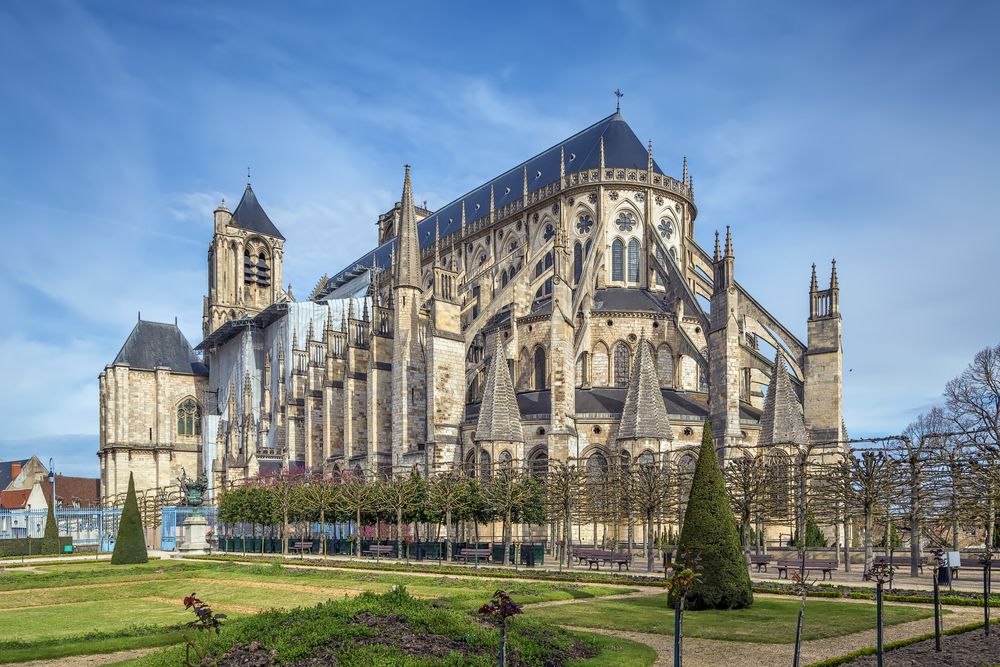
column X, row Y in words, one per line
column 865, row 131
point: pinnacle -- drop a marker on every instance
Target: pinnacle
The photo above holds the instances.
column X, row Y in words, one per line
column 644, row 414
column 499, row 417
column 782, row 421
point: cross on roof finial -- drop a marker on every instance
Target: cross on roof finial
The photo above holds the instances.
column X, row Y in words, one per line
column 619, row 94
column 248, row 175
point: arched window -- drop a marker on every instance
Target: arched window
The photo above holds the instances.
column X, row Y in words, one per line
column 504, row 459
column 484, row 464
column 778, row 487
column 577, row 262
column 597, row 464
column 539, row 268
column 633, row 261
column 539, row 368
column 618, row 260
column 621, row 365
column 189, row 418
column 539, row 466
column 503, row 279
column 646, row 459
column 548, row 259
column 663, row 263
column 586, row 248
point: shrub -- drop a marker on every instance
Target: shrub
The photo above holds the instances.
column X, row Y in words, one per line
column 50, row 542
column 710, row 530
column 130, row 543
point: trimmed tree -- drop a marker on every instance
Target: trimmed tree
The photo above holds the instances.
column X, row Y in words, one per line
column 710, row 530
column 50, row 542
column 130, row 543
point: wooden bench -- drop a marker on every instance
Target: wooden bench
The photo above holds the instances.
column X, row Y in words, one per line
column 813, row 564
column 976, row 564
column 902, row 561
column 378, row 550
column 761, row 560
column 596, row 557
column 583, row 554
column 622, row 559
column 301, row 547
column 474, row 554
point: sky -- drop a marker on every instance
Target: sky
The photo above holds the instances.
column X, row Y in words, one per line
column 862, row 131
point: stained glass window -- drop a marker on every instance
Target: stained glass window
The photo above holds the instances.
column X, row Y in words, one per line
column 625, row 222
column 633, row 261
column 539, row 369
column 189, row 418
column 663, row 262
column 621, row 365
column 586, row 222
column 577, row 262
column 549, row 232
column 666, row 229
column 617, row 260
column 548, row 259
column 503, row 279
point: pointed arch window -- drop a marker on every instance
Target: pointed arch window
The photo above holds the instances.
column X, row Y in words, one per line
column 484, row 464
column 618, row 260
column 577, row 262
column 586, row 248
column 189, row 418
column 633, row 261
column 621, row 365
column 503, row 279
column 548, row 259
column 539, row 369
column 663, row 263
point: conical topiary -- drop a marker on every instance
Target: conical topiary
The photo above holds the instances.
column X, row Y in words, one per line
column 710, row 529
column 50, row 541
column 130, row 543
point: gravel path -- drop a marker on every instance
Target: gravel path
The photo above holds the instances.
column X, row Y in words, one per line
column 87, row 660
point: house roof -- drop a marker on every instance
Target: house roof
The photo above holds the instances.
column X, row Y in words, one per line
column 70, row 490
column 6, row 475
column 154, row 344
column 582, row 151
column 250, row 216
column 13, row 500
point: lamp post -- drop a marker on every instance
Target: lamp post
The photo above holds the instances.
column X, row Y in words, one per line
column 52, row 483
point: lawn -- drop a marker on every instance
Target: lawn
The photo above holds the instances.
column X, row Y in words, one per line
column 73, row 607
column 769, row 620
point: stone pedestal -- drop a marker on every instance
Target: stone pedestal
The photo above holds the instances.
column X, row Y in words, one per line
column 194, row 543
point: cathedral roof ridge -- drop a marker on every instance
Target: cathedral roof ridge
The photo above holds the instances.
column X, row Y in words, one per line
column 622, row 148
column 250, row 216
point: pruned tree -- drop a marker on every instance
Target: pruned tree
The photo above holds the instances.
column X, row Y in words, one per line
column 651, row 495
column 915, row 454
column 357, row 497
column 403, row 495
column 746, row 479
column 446, row 496
column 516, row 498
column 866, row 488
column 281, row 489
column 563, row 487
column 320, row 495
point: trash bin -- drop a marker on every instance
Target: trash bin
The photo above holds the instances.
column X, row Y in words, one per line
column 529, row 556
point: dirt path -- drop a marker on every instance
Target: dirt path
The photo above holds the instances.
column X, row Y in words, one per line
column 86, row 660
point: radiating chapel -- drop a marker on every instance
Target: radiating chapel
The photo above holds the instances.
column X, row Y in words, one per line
column 562, row 310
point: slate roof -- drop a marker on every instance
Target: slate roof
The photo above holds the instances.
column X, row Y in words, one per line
column 250, row 216
column 618, row 298
column 644, row 415
column 153, row 344
column 5, row 472
column 622, row 148
column 499, row 416
column 782, row 422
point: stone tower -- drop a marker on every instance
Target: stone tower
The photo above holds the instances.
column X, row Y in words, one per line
column 244, row 263
column 409, row 401
column 823, row 404
column 724, row 351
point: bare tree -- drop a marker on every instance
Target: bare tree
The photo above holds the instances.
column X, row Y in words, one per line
column 650, row 488
column 356, row 497
column 746, row 480
column 447, row 495
column 563, row 487
column 866, row 488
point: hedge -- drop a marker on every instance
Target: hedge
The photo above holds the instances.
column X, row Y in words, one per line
column 16, row 547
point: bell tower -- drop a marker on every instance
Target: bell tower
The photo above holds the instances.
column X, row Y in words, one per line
column 244, row 263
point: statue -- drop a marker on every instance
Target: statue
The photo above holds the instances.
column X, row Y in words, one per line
column 193, row 491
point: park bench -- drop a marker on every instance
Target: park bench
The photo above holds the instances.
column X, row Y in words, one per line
column 975, row 564
column 810, row 564
column 378, row 550
column 302, row 547
column 902, row 561
column 596, row 557
column 622, row 559
column 761, row 560
column 583, row 554
column 474, row 555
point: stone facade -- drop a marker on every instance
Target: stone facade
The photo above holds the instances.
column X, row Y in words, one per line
column 566, row 265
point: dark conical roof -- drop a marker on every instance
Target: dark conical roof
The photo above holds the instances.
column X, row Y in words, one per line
column 408, row 255
column 250, row 216
column 782, row 422
column 644, row 415
column 499, row 416
column 153, row 344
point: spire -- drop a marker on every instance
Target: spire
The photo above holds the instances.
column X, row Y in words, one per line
column 295, row 340
column 833, row 276
column 813, row 287
column 364, row 310
column 644, row 414
column 343, row 321
column 312, row 334
column 499, row 416
column 463, row 218
column 232, row 403
column 524, row 189
column 718, row 255
column 729, row 243
column 602, row 156
column 350, row 308
column 782, row 422
column 437, row 242
column 408, row 268
column 685, row 177
column 247, row 394
column 491, row 202
column 329, row 317
column 649, row 166
column 562, row 164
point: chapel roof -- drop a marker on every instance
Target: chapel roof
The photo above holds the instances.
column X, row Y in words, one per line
column 582, row 151
column 782, row 421
column 250, row 216
column 155, row 344
column 499, row 417
column 644, row 415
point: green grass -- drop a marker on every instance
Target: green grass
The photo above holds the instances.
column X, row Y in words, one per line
column 306, row 632
column 52, row 650
column 64, row 620
column 769, row 620
column 615, row 652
